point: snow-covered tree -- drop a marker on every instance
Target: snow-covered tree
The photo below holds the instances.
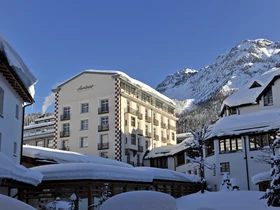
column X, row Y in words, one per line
column 273, row 194
column 104, row 195
column 198, row 145
column 226, row 184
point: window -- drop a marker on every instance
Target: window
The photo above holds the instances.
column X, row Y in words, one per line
column 159, row 162
column 84, row 125
column 260, row 141
column 104, row 154
column 17, row 111
column 105, row 105
column 233, row 111
column 15, row 149
column 84, row 108
column 214, row 169
column 225, row 167
column 146, row 144
column 40, row 143
column 104, row 138
column 66, row 111
column 104, row 120
column 65, row 145
column 173, row 136
column 209, row 148
column 181, row 158
column 84, row 142
column 66, row 127
column 1, row 102
column 267, row 98
column 133, row 139
column 133, row 121
column 50, row 143
column 0, row 140
column 230, row 145
column 146, row 129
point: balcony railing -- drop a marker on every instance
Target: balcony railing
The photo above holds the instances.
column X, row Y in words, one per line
column 148, row 119
column 140, row 132
column 155, row 122
column 140, row 148
column 64, row 133
column 103, row 110
column 139, row 115
column 156, row 137
column 163, row 125
column 103, row 145
column 131, row 111
column 64, row 117
column 148, row 135
column 103, row 127
column 163, row 139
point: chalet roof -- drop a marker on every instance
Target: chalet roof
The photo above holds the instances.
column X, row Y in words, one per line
column 125, row 77
column 247, row 95
column 13, row 68
column 261, row 121
column 169, row 150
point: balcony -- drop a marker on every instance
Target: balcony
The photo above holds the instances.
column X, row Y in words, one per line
column 148, row 119
column 139, row 115
column 140, row 132
column 64, row 117
column 140, row 148
column 148, row 135
column 156, row 137
column 155, row 122
column 103, row 110
column 163, row 125
column 131, row 111
column 103, row 127
column 102, row 146
column 163, row 140
column 64, row 134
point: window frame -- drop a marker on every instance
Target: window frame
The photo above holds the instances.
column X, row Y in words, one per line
column 82, row 145
column 133, row 121
column 84, row 108
column 84, row 124
column 2, row 97
column 268, row 97
column 226, row 145
column 260, row 137
column 225, row 169
column 15, row 149
column 104, row 105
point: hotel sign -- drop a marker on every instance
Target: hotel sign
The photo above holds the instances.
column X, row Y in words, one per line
column 85, row 87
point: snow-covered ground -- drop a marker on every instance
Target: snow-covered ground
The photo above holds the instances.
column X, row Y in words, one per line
column 8, row 203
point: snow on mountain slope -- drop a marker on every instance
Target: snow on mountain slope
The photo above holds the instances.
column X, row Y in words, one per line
column 248, row 59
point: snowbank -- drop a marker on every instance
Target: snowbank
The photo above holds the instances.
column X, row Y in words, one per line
column 169, row 150
column 140, row 200
column 241, row 200
column 92, row 171
column 8, row 203
column 261, row 177
column 28, row 79
column 10, row 170
column 61, row 156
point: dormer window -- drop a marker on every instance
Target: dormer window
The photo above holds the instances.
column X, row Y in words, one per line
column 255, row 85
column 232, row 111
column 267, row 98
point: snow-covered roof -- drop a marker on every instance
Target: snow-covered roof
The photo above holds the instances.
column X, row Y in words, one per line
column 124, row 76
column 11, row 170
column 34, row 125
column 93, row 171
column 19, row 67
column 12, row 203
column 183, row 135
column 261, row 177
column 261, row 121
column 245, row 95
column 169, row 150
column 61, row 156
column 44, row 118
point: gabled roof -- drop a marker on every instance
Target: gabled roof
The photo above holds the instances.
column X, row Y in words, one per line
column 16, row 72
column 125, row 77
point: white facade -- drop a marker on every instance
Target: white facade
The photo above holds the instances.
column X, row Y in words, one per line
column 99, row 113
column 10, row 121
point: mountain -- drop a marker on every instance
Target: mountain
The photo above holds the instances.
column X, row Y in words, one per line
column 191, row 88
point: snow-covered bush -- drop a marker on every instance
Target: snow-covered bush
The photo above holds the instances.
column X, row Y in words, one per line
column 226, row 184
column 58, row 204
column 140, row 200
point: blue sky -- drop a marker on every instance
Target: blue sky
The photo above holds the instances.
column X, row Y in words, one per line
column 147, row 39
